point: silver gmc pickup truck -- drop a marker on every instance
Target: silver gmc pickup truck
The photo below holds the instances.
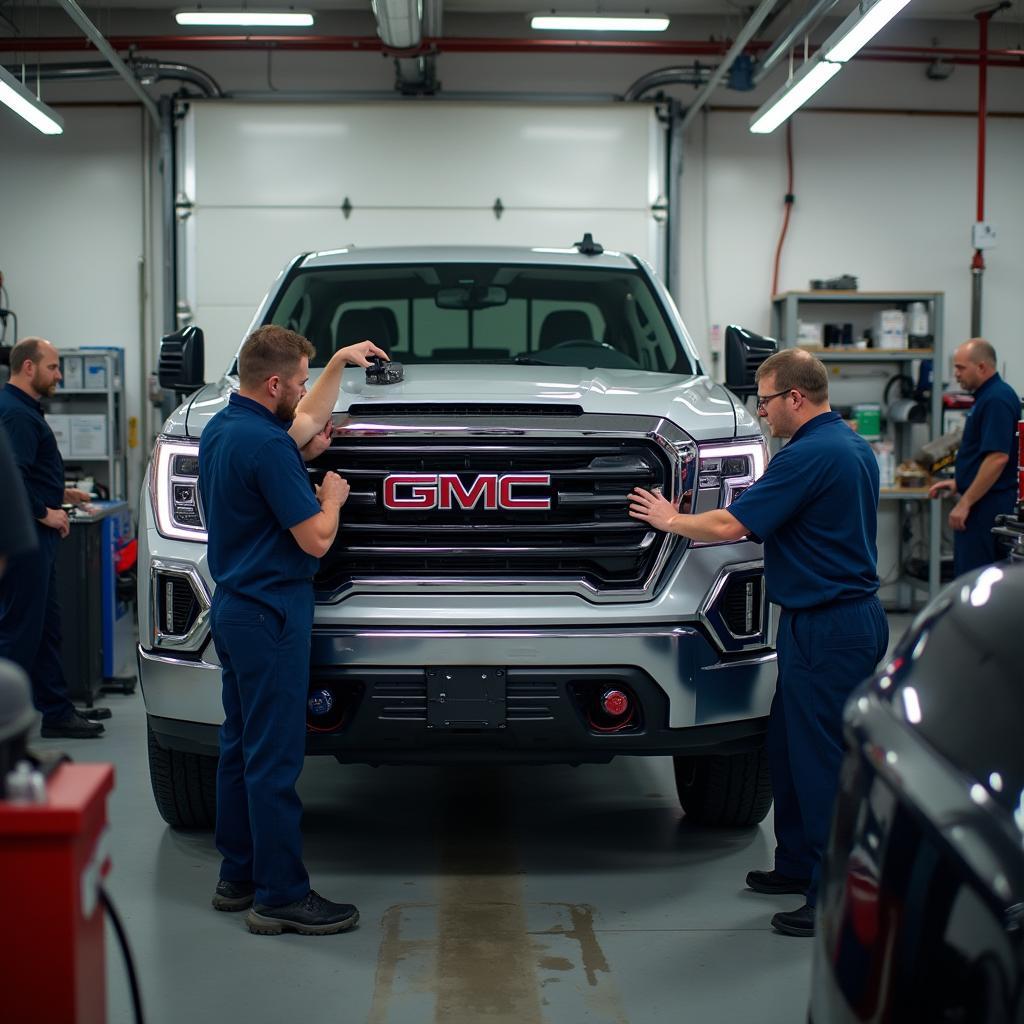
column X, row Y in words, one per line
column 488, row 596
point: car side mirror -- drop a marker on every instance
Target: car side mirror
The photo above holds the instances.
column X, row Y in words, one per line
column 744, row 353
column 182, row 361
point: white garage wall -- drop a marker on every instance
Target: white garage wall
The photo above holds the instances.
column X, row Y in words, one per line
column 268, row 181
column 71, row 236
column 890, row 199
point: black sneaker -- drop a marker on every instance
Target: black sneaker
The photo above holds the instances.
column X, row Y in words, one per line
column 73, row 727
column 795, row 922
column 312, row 915
column 775, row 884
column 233, row 895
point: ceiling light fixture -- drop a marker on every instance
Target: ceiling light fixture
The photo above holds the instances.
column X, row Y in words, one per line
column 793, row 95
column 31, row 108
column 859, row 28
column 555, row 22
column 244, row 18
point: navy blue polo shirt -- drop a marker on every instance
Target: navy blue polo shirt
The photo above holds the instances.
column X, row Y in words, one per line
column 255, row 488
column 34, row 448
column 816, row 510
column 991, row 427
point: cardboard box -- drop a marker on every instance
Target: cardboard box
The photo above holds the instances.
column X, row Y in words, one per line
column 88, row 436
column 891, row 329
column 95, row 373
column 72, row 370
column 60, row 424
column 808, row 334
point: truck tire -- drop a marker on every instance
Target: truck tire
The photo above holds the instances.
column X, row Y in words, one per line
column 724, row 789
column 184, row 786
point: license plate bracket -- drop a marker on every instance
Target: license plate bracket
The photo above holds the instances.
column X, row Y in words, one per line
column 466, row 697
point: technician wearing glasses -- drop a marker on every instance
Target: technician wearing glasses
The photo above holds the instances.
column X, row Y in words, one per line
column 815, row 509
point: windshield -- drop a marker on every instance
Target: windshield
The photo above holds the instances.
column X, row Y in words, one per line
column 485, row 312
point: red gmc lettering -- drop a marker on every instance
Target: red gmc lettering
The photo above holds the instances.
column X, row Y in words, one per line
column 485, row 486
column 419, row 490
column 446, row 491
column 508, row 500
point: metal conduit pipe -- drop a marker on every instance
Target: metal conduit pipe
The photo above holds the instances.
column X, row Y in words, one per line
column 800, row 27
column 146, row 71
column 400, row 27
column 693, row 75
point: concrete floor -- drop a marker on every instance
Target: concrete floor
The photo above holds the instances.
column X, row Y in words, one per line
column 487, row 896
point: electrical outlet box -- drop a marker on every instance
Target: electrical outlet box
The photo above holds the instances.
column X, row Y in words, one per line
column 983, row 236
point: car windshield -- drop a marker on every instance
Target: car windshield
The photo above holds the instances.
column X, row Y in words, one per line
column 485, row 313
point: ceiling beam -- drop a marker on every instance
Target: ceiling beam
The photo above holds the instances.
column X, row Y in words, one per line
column 96, row 37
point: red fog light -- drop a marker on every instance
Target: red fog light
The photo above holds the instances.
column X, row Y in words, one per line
column 614, row 703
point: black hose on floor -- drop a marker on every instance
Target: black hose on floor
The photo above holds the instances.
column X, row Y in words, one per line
column 126, row 951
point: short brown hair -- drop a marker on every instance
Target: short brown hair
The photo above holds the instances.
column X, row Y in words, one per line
column 794, row 368
column 27, row 348
column 271, row 350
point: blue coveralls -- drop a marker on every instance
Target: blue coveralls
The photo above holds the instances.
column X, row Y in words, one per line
column 255, row 488
column 30, row 631
column 816, row 509
column 991, row 427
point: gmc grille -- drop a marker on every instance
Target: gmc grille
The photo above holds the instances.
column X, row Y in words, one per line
column 587, row 535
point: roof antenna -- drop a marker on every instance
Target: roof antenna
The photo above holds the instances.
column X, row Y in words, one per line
column 588, row 247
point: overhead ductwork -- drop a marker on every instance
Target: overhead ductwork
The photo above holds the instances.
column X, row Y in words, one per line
column 146, row 71
column 403, row 25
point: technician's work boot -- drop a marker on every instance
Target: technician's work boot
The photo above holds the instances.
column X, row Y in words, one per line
column 795, row 922
column 774, row 884
column 72, row 727
column 312, row 915
column 233, row 895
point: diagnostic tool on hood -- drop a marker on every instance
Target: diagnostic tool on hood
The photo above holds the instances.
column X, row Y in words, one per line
column 380, row 371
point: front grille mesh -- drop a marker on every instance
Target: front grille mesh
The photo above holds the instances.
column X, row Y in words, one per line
column 586, row 535
column 178, row 605
column 741, row 604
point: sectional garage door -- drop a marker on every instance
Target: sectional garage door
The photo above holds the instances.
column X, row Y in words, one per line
column 259, row 183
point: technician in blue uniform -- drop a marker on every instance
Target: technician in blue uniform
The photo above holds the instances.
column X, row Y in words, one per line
column 986, row 475
column 267, row 531
column 30, row 631
column 815, row 509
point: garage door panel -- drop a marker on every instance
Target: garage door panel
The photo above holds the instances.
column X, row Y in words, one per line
column 444, row 155
column 237, row 258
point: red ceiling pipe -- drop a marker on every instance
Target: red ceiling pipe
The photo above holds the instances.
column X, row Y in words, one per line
column 978, row 260
column 462, row 44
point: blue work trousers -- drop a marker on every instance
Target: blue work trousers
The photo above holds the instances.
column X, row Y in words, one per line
column 976, row 547
column 824, row 653
column 30, row 633
column 264, row 652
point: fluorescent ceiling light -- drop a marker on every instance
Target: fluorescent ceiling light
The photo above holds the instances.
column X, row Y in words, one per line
column 246, row 18
column 599, row 22
column 793, row 95
column 857, row 29
column 23, row 103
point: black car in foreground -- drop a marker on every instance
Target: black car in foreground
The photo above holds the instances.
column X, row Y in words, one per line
column 922, row 906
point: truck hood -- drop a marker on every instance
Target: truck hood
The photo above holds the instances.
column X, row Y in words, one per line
column 704, row 409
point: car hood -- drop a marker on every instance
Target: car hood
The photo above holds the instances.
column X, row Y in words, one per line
column 704, row 409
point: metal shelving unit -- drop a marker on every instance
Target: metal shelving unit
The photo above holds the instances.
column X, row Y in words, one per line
column 859, row 306
column 111, row 467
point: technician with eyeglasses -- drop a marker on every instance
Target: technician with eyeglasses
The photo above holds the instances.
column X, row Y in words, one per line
column 815, row 509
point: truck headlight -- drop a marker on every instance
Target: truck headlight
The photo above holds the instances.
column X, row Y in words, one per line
column 174, row 490
column 724, row 471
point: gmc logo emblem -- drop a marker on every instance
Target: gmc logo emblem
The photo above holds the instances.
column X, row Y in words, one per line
column 446, row 491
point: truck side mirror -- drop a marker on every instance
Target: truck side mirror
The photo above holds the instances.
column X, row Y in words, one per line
column 744, row 353
column 182, row 360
